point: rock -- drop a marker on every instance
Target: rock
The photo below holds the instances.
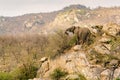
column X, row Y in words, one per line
column 108, row 46
column 38, row 79
column 117, row 49
column 112, row 29
column 76, row 62
column 72, row 77
column 117, row 73
column 97, row 30
column 43, row 59
column 77, row 47
column 96, row 70
column 114, row 63
column 105, row 75
column 105, row 40
column 28, row 25
column 102, row 48
column 44, row 67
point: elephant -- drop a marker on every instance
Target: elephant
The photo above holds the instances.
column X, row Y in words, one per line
column 83, row 34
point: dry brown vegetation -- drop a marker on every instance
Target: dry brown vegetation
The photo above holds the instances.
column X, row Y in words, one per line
column 20, row 55
column 16, row 51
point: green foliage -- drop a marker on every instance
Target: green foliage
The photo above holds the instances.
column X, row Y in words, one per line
column 58, row 74
column 25, row 72
column 15, row 50
column 118, row 79
column 100, row 58
column 82, row 77
column 115, row 43
column 73, row 40
column 6, row 76
column 57, row 43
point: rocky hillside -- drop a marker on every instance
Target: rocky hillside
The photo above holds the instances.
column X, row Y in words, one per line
column 98, row 61
column 56, row 56
column 47, row 22
column 25, row 23
column 30, row 23
column 87, row 17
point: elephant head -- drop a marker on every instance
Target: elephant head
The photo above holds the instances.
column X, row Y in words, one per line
column 71, row 29
column 82, row 34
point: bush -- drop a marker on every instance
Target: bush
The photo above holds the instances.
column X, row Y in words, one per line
column 82, row 77
column 118, row 79
column 115, row 43
column 58, row 74
column 57, row 44
column 25, row 72
column 73, row 40
column 98, row 58
column 6, row 76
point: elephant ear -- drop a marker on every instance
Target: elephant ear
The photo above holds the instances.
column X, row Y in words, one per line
column 73, row 29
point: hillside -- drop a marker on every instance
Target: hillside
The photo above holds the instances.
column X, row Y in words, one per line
column 47, row 22
column 56, row 56
column 87, row 17
column 25, row 23
column 30, row 23
column 42, row 50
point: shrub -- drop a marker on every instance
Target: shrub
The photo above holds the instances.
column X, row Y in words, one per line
column 115, row 43
column 5, row 76
column 99, row 58
column 57, row 44
column 58, row 74
column 73, row 40
column 82, row 77
column 25, row 72
column 118, row 79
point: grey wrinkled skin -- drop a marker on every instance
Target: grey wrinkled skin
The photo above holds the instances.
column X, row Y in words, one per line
column 83, row 34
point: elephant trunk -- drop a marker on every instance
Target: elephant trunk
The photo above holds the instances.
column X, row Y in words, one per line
column 66, row 32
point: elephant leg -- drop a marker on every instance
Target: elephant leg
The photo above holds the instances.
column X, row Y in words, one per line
column 77, row 41
column 88, row 38
column 85, row 38
column 80, row 42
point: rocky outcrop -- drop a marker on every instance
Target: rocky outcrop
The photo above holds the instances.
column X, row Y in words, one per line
column 35, row 21
column 101, row 66
column 112, row 29
column 75, row 62
column 44, row 67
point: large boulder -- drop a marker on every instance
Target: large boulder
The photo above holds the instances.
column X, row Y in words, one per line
column 105, row 40
column 44, row 67
column 102, row 48
column 43, row 59
column 72, row 62
column 112, row 29
column 117, row 73
column 105, row 74
column 77, row 47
